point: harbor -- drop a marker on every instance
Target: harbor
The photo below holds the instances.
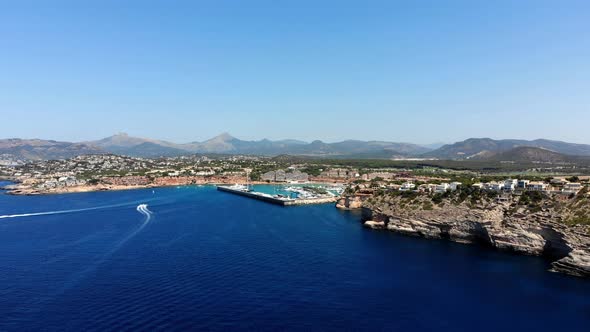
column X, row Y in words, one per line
column 301, row 196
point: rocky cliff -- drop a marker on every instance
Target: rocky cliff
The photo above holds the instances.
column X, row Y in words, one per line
column 349, row 203
column 503, row 225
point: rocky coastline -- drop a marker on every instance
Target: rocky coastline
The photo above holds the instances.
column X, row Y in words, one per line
column 498, row 225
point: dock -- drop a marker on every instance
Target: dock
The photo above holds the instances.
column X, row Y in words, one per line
column 283, row 201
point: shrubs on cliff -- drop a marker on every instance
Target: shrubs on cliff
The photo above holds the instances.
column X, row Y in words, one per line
column 531, row 198
column 93, row 182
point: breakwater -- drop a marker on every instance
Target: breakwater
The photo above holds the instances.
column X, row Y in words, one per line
column 283, row 201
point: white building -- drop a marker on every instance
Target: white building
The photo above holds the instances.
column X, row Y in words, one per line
column 510, row 184
column 455, row 185
column 441, row 188
column 496, row 186
column 407, row 186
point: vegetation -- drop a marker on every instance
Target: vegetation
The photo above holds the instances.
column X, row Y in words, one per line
column 531, row 198
column 488, row 166
column 313, row 170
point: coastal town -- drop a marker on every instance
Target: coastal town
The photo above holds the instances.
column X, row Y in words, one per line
column 111, row 172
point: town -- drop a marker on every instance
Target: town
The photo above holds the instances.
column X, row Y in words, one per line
column 109, row 172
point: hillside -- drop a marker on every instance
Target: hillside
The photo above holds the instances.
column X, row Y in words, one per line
column 148, row 150
column 123, row 140
column 532, row 154
column 476, row 147
column 37, row 149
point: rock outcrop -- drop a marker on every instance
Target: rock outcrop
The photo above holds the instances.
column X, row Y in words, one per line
column 575, row 263
column 374, row 224
column 349, row 203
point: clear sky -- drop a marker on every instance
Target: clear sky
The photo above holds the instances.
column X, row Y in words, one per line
column 417, row 71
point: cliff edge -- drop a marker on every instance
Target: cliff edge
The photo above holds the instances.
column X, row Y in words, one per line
column 541, row 226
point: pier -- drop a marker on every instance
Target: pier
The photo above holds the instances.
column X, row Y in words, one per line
column 283, row 201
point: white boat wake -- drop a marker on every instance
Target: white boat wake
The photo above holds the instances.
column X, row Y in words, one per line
column 34, row 214
column 76, row 277
column 141, row 208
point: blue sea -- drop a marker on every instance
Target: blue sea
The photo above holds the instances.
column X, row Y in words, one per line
column 199, row 259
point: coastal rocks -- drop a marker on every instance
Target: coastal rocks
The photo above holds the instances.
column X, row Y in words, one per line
column 462, row 231
column 407, row 227
column 568, row 247
column 374, row 224
column 518, row 239
column 577, row 263
column 468, row 231
column 349, row 203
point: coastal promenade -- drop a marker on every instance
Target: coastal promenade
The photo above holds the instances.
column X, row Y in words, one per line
column 283, row 201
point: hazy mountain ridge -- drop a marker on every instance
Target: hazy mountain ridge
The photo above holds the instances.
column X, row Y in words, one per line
column 123, row 144
column 225, row 143
column 38, row 149
column 475, row 147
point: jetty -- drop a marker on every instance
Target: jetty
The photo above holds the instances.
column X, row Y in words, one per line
column 276, row 199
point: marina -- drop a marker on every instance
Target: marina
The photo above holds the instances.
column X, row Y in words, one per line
column 301, row 197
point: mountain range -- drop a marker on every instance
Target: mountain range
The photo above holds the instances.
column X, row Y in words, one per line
column 470, row 149
column 227, row 144
column 37, row 149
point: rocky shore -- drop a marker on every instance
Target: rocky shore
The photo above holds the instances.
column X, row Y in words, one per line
column 501, row 225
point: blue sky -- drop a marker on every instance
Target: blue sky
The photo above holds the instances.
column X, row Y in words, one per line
column 417, row 71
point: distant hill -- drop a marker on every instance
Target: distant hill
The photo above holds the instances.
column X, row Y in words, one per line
column 530, row 154
column 148, row 150
column 227, row 144
column 123, row 140
column 37, row 149
column 486, row 147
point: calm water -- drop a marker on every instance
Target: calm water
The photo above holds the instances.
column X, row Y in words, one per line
column 214, row 261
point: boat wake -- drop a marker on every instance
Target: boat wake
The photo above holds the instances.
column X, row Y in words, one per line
column 75, row 278
column 141, row 208
column 34, row 214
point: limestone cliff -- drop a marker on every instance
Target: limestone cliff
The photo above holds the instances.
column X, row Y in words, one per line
column 504, row 225
column 349, row 203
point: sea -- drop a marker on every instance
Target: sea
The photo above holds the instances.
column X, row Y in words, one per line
column 193, row 258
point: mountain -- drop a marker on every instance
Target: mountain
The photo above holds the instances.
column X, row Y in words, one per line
column 149, row 150
column 529, row 154
column 123, row 140
column 224, row 143
column 37, row 149
column 227, row 144
column 478, row 147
